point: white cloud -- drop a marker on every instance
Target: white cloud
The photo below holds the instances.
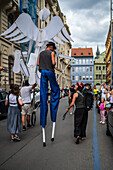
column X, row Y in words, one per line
column 88, row 26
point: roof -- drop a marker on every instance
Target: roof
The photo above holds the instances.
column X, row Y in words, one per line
column 81, row 52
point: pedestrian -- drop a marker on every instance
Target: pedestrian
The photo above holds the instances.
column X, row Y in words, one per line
column 13, row 100
column 88, row 97
column 95, row 90
column 71, row 93
column 102, row 89
column 26, row 99
column 78, row 100
column 102, row 111
column 46, row 63
column 107, row 102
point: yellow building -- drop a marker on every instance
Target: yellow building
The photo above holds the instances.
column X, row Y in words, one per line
column 108, row 57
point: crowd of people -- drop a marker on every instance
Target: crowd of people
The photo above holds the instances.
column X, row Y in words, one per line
column 80, row 97
column 104, row 100
column 19, row 105
column 80, row 100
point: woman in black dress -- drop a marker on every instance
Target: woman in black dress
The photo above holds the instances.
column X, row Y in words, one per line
column 78, row 100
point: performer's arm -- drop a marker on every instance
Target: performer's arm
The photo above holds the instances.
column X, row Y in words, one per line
column 53, row 58
column 73, row 101
column 38, row 60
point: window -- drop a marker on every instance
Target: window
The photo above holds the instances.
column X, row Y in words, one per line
column 83, row 61
column 77, row 78
column 83, row 69
column 80, row 61
column 10, row 20
column 96, row 67
column 83, row 77
column 76, row 61
column 80, row 69
column 74, row 53
column 90, row 69
column 90, row 77
column 73, row 77
column 87, row 69
column 87, row 78
column 104, row 76
column 72, row 68
column 81, row 53
column 99, row 67
column 91, row 61
column 11, row 74
column 80, row 77
column 87, row 61
column 97, row 77
column 104, row 68
column 89, row 53
column 76, row 69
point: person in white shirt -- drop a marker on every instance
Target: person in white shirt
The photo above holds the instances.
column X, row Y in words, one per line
column 102, row 90
column 26, row 99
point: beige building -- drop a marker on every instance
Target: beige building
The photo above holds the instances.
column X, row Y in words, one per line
column 9, row 11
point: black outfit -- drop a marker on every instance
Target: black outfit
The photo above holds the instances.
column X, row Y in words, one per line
column 79, row 115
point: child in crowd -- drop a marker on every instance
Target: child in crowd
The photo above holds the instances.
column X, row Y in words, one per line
column 13, row 100
column 102, row 111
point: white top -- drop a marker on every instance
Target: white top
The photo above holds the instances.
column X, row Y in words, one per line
column 103, row 95
column 12, row 99
column 26, row 94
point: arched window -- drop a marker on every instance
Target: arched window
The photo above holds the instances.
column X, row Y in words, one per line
column 11, row 74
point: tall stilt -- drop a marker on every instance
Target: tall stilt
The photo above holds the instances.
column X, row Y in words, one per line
column 53, row 132
column 44, row 138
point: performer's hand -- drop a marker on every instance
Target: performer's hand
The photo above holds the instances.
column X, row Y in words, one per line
column 66, row 110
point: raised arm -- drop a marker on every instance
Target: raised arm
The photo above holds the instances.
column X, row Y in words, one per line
column 73, row 101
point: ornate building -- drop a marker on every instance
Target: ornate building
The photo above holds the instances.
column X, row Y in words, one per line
column 9, row 11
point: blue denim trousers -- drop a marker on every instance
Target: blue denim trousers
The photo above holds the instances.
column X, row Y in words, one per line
column 47, row 75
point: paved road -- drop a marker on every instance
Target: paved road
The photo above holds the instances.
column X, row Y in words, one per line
column 63, row 153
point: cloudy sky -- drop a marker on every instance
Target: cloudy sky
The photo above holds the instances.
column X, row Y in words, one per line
column 88, row 21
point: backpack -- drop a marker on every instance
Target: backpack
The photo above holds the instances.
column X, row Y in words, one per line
column 88, row 97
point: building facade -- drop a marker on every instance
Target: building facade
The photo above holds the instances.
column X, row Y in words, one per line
column 100, row 69
column 9, row 11
column 82, row 66
column 108, row 57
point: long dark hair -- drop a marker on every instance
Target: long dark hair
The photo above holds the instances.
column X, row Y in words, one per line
column 15, row 89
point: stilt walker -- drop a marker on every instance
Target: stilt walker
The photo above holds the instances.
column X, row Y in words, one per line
column 46, row 63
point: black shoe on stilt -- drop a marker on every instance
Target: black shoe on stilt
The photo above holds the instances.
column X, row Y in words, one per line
column 52, row 139
column 44, row 144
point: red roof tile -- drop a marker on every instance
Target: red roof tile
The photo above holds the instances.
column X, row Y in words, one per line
column 81, row 52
